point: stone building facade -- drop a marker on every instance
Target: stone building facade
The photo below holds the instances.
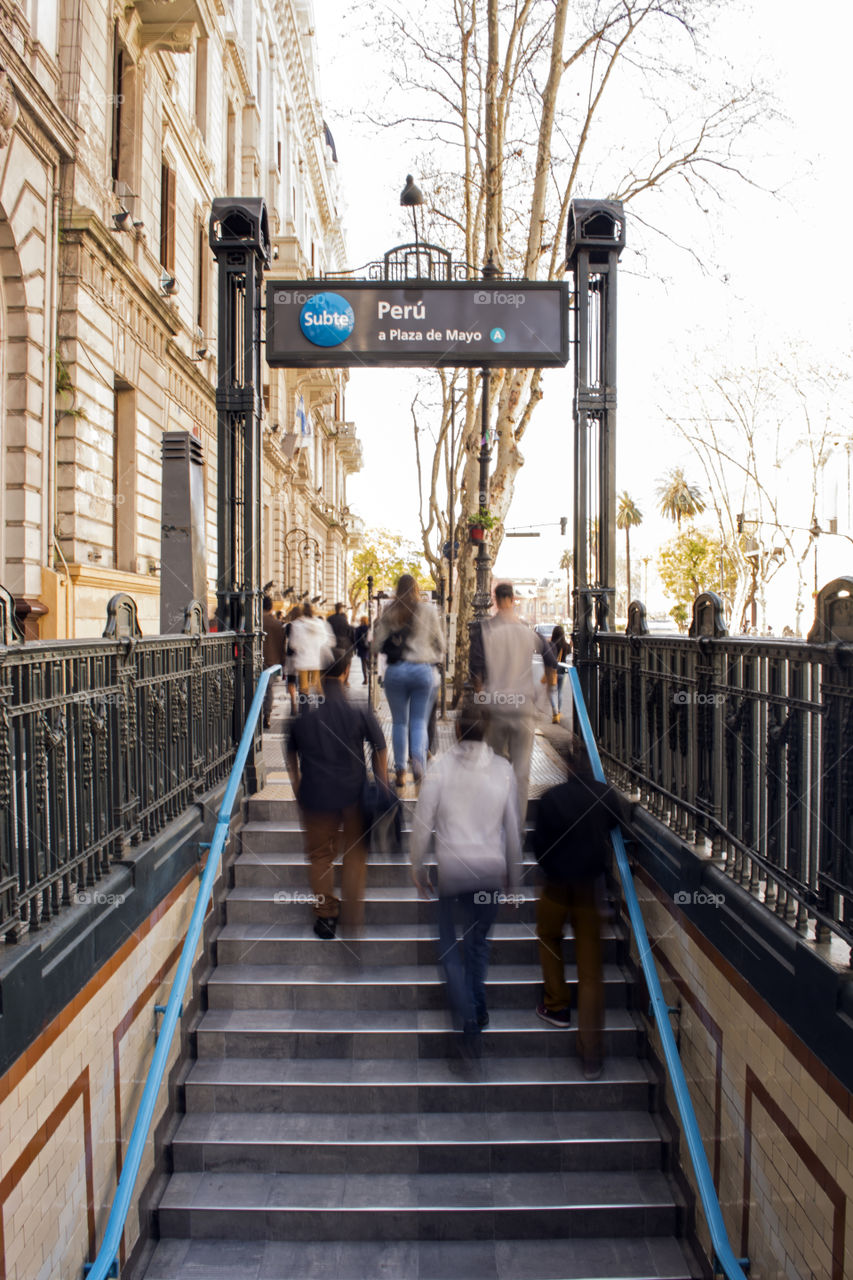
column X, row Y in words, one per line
column 130, row 120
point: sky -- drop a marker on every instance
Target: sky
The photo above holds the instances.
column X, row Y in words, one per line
column 776, row 273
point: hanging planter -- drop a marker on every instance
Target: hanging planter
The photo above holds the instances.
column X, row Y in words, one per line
column 479, row 523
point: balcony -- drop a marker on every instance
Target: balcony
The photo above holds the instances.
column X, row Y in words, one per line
column 349, row 446
column 170, row 25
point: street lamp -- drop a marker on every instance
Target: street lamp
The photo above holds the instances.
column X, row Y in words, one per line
column 410, row 197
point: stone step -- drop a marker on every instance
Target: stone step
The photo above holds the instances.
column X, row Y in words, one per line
column 444, row 1206
column 275, row 808
column 346, row 1085
column 643, row 1258
column 383, row 906
column 399, row 944
column 287, row 836
column 467, row 1142
column 286, row 867
column 405, row 1033
column 322, row 986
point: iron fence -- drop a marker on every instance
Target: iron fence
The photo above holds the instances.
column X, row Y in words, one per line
column 744, row 746
column 102, row 743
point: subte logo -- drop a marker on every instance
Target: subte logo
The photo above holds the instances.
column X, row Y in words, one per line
column 327, row 319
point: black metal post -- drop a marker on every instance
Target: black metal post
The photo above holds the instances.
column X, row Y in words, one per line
column 371, row 661
column 596, row 238
column 239, row 238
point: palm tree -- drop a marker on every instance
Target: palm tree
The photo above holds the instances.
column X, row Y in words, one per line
column 628, row 514
column 677, row 498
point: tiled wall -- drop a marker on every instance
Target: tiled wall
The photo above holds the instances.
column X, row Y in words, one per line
column 777, row 1126
column 67, row 1105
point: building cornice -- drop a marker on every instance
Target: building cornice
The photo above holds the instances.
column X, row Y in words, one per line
column 38, row 115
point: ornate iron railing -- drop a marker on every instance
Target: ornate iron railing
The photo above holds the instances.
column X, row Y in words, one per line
column 102, row 743
column 744, row 746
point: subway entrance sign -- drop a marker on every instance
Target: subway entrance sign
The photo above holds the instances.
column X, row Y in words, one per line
column 484, row 323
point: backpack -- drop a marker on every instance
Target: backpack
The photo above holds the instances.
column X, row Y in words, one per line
column 394, row 645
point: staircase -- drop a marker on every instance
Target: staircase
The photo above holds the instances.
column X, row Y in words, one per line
column 327, row 1136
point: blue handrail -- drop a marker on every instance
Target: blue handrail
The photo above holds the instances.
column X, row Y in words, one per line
column 731, row 1266
column 106, row 1263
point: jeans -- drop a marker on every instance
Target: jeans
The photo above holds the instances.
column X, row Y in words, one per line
column 327, row 835
column 466, row 959
column 512, row 737
column 410, row 690
column 578, row 903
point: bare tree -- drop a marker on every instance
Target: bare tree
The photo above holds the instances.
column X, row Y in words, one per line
column 486, row 87
column 763, row 435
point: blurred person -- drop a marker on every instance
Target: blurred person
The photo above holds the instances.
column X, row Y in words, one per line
column 555, row 676
column 290, row 656
column 501, row 666
column 273, row 649
column 467, row 813
column 325, row 760
column 342, row 631
column 313, row 642
column 572, row 843
column 361, row 642
column 410, row 635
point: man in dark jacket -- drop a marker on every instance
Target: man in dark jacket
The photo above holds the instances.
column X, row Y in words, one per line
column 344, row 635
column 325, row 760
column 273, row 652
column 572, row 843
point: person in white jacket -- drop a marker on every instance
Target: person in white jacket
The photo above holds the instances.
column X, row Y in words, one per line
column 468, row 811
column 312, row 641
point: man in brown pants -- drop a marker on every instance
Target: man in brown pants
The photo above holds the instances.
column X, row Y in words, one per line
column 571, row 842
column 325, row 760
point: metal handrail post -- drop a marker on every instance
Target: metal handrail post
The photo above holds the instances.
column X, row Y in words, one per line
column 107, row 1256
column 731, row 1266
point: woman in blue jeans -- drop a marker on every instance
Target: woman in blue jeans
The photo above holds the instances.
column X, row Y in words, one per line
column 411, row 635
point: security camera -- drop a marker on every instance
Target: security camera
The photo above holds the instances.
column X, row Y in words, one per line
column 168, row 284
column 121, row 219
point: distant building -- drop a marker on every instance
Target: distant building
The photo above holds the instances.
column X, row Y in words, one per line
column 123, row 126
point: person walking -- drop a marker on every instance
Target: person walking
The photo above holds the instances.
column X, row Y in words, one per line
column 342, row 631
column 467, row 812
column 572, row 842
column 555, row 676
column 362, row 645
column 325, row 761
column 312, row 641
column 290, row 675
column 410, row 635
column 273, row 648
column 501, row 666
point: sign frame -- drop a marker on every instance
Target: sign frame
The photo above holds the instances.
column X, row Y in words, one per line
column 281, row 352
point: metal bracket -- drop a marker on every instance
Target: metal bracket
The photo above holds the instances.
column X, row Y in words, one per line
column 719, row 1269
column 670, row 1008
column 112, row 1274
column 202, row 844
column 160, row 1009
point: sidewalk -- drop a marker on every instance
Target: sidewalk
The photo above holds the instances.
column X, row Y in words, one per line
column 546, row 766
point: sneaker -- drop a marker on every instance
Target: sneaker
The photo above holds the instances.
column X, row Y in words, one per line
column 325, row 926
column 483, row 1020
column 592, row 1068
column 557, row 1017
column 266, row 722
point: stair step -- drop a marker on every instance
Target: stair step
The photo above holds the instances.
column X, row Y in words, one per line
column 468, row 1142
column 287, row 869
column 287, row 836
column 382, row 905
column 278, row 942
column 342, row 1085
column 347, row 987
column 644, row 1258
column 426, row 1206
column 394, row 1033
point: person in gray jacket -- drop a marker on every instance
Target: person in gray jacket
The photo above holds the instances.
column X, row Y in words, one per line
column 467, row 812
column 501, row 662
column 411, row 636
